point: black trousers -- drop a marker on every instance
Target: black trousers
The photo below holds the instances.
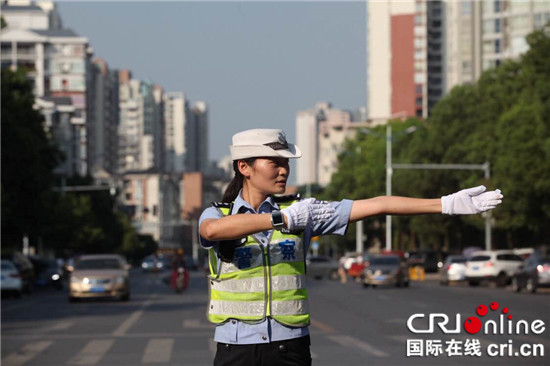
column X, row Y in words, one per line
column 291, row 352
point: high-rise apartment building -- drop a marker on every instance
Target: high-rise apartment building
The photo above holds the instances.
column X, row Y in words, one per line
column 186, row 134
column 26, row 14
column 141, row 128
column 320, row 134
column 418, row 50
column 405, row 43
column 103, row 120
column 198, row 144
column 57, row 62
column 482, row 34
column 176, row 117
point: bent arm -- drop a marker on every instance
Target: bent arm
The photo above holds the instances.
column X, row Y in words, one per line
column 393, row 205
column 235, row 226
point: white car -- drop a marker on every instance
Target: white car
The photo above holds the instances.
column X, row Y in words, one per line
column 453, row 269
column 11, row 279
column 492, row 265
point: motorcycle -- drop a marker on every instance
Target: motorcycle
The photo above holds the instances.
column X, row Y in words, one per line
column 180, row 279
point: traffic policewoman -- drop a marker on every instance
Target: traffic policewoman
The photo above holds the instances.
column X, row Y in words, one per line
column 258, row 240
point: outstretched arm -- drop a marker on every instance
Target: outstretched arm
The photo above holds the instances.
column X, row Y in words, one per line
column 393, row 205
column 466, row 202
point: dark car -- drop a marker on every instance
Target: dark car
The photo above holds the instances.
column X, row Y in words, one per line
column 47, row 272
column 321, row 266
column 532, row 274
column 25, row 268
column 386, row 270
column 426, row 259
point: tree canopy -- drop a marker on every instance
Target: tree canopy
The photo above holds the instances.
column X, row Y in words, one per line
column 504, row 119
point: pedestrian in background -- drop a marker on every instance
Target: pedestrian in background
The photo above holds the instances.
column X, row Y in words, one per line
column 258, row 242
column 341, row 270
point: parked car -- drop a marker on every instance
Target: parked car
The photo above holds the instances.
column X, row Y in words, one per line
column 532, row 274
column 47, row 272
column 25, row 268
column 453, row 269
column 100, row 275
column 386, row 270
column 11, row 279
column 321, row 266
column 427, row 259
column 492, row 265
column 524, row 253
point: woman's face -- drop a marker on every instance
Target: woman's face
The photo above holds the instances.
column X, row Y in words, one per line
column 268, row 175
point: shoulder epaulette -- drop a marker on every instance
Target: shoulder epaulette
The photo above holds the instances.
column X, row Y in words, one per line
column 287, row 198
column 221, row 204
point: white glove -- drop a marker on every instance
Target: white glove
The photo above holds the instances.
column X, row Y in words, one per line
column 470, row 201
column 299, row 214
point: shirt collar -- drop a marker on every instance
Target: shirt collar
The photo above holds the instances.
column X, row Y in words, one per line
column 240, row 205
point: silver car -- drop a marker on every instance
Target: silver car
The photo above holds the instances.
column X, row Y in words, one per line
column 386, row 270
column 453, row 269
column 101, row 275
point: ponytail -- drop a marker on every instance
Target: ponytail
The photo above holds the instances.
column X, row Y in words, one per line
column 236, row 184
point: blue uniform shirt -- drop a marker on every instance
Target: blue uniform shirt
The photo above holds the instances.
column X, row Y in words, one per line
column 237, row 332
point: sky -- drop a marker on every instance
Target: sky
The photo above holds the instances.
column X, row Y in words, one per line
column 254, row 63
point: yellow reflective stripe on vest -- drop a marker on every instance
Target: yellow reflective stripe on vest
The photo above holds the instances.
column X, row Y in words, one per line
column 257, row 284
column 250, row 309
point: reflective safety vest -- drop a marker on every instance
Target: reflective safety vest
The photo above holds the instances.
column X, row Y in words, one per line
column 260, row 281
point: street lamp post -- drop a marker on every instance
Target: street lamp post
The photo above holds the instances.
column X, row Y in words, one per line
column 389, row 173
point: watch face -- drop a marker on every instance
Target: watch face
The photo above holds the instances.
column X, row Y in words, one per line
column 277, row 218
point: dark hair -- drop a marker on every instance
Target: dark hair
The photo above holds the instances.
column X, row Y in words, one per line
column 236, row 184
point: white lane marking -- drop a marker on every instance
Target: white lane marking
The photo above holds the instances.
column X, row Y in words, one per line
column 158, row 350
column 26, row 353
column 346, row 341
column 130, row 321
column 58, row 326
column 92, row 353
column 196, row 324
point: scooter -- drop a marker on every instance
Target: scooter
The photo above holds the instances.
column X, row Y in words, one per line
column 180, row 279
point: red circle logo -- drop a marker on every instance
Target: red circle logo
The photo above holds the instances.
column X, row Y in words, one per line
column 472, row 325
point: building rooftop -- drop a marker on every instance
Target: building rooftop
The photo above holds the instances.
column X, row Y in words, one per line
column 5, row 7
column 55, row 32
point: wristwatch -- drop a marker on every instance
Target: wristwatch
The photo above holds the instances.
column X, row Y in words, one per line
column 277, row 220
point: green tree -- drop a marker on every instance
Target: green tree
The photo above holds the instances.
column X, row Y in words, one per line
column 28, row 159
column 504, row 119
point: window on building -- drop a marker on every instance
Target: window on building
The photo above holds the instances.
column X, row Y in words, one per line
column 497, row 6
column 497, row 25
column 497, row 45
column 466, row 67
column 418, row 19
column 418, row 89
column 466, row 7
column 77, row 66
column 419, row 112
column 419, row 102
